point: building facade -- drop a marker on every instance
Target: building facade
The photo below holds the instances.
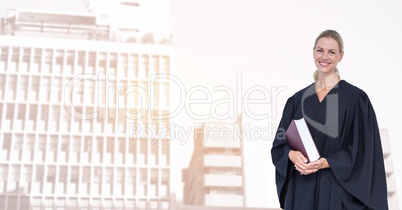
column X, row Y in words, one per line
column 389, row 169
column 215, row 176
column 73, row 105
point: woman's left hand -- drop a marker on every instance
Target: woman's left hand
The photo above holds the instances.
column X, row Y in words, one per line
column 312, row 167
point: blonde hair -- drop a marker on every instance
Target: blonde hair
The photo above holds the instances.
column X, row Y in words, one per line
column 337, row 37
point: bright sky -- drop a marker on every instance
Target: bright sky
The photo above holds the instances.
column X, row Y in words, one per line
column 270, row 43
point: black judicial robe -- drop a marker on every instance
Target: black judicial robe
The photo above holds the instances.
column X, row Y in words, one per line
column 344, row 128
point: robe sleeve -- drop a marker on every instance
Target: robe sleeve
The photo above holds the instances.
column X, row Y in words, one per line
column 280, row 150
column 359, row 167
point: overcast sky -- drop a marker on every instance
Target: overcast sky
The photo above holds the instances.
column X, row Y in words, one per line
column 270, row 44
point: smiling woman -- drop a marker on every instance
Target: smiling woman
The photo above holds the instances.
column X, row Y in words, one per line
column 350, row 174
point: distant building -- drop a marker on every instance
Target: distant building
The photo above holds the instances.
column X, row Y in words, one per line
column 215, row 175
column 73, row 103
column 392, row 197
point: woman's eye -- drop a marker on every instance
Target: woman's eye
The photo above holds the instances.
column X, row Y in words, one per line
column 319, row 50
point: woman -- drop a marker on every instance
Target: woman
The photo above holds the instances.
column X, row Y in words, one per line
column 350, row 173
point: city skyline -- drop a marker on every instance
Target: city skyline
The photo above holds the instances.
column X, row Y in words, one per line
column 270, row 40
column 67, row 106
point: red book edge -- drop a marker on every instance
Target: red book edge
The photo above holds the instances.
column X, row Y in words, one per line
column 294, row 139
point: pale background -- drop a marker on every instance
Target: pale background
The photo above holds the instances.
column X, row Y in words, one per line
column 270, row 43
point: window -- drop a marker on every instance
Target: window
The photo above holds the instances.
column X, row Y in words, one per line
column 165, row 205
column 63, row 174
column 18, row 142
column 88, row 144
column 143, row 182
column 61, row 185
column 143, row 151
column 58, row 61
column 91, row 63
column 108, row 181
column 76, row 144
column 74, row 176
column 34, row 89
column 153, row 188
column 42, row 143
column 80, row 63
column 20, row 117
column 37, row 62
column 102, row 61
column 57, row 89
column 97, row 175
column 22, row 87
column 3, row 173
column 133, row 66
column 69, row 62
column 131, row 182
column 154, row 152
column 53, row 148
column 154, row 65
column 26, row 58
column 12, row 87
column 74, row 180
column 51, row 174
column 60, row 203
column 30, row 143
column 55, row 118
column 97, row 181
column 14, row 59
column 123, row 64
column 86, row 175
column 47, row 61
column 165, row 62
column 3, row 58
column 44, row 118
column 64, row 145
column 153, row 204
column 2, row 85
column 45, row 88
column 39, row 173
column 112, row 64
column 142, row 205
column 164, row 189
column 165, row 152
column 90, row 85
column 143, row 67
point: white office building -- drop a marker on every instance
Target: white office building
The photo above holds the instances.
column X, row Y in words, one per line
column 73, row 99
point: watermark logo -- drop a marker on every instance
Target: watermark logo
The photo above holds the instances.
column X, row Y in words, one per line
column 137, row 103
column 330, row 127
column 147, row 97
column 202, row 132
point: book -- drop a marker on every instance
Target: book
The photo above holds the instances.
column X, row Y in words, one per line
column 300, row 139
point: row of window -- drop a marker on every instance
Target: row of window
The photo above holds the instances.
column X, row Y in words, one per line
column 41, row 179
column 82, row 119
column 62, row 203
column 84, row 90
column 69, row 62
column 83, row 149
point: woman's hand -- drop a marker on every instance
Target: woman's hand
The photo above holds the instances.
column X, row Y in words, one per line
column 301, row 165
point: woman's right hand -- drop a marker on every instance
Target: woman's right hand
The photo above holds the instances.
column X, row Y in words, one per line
column 300, row 163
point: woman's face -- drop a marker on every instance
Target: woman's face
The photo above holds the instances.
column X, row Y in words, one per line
column 326, row 55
